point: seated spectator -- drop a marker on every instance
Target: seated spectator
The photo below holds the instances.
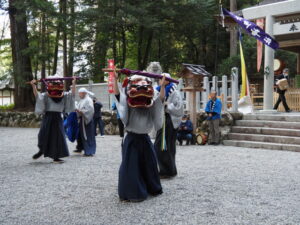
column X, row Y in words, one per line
column 185, row 131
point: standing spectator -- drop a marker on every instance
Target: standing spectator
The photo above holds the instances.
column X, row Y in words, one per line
column 120, row 123
column 98, row 117
column 281, row 98
column 213, row 109
column 185, row 130
column 85, row 112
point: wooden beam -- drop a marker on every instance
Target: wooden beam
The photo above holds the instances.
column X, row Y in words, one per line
column 289, row 43
column 193, row 109
column 274, row 9
column 298, row 63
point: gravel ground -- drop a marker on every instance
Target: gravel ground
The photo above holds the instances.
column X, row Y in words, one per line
column 215, row 185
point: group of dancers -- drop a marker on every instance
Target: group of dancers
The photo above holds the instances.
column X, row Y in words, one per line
column 53, row 104
column 141, row 108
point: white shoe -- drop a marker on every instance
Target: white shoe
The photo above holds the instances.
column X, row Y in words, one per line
column 101, row 136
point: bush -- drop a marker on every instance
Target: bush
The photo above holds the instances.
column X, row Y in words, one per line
column 228, row 63
column 297, row 77
column 6, row 107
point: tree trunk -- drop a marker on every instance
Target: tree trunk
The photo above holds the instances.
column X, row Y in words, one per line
column 43, row 50
column 48, row 50
column 100, row 49
column 233, row 32
column 71, row 37
column 65, row 43
column 22, row 72
column 115, row 55
column 36, row 57
column 57, row 38
column 99, row 56
column 124, row 47
column 147, row 50
column 159, row 49
column 204, row 49
column 140, row 43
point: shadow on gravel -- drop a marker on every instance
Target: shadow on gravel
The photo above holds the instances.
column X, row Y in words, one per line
column 42, row 163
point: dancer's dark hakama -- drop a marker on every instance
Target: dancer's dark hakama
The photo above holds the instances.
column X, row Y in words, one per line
column 51, row 137
column 138, row 174
column 86, row 126
column 173, row 114
column 166, row 156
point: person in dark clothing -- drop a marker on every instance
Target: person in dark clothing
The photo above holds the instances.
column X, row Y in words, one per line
column 120, row 123
column 51, row 104
column 98, row 117
column 138, row 173
column 165, row 141
column 185, row 131
column 281, row 98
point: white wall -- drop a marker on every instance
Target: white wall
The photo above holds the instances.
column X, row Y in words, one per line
column 101, row 93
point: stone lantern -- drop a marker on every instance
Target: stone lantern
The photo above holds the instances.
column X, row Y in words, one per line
column 192, row 76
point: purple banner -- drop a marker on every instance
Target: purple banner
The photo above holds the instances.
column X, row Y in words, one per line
column 253, row 30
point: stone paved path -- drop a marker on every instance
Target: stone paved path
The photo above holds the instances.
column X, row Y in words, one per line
column 215, row 185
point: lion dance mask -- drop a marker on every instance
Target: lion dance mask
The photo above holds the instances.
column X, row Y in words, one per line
column 55, row 87
column 139, row 92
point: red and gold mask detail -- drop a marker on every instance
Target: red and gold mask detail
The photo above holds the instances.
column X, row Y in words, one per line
column 55, row 89
column 140, row 93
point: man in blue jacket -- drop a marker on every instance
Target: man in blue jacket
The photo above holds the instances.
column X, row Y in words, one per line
column 213, row 109
column 185, row 131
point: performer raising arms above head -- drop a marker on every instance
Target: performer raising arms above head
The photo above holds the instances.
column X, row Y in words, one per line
column 51, row 104
column 165, row 142
column 140, row 108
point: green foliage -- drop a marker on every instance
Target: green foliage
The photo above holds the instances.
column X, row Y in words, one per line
column 7, row 107
column 133, row 33
column 290, row 60
column 250, row 54
column 228, row 63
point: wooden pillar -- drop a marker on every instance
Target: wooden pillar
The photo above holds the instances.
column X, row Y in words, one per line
column 206, row 92
column 234, row 88
column 298, row 64
column 224, row 92
column 193, row 108
column 233, row 32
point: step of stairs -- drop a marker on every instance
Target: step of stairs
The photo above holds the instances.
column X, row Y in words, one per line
column 266, row 131
column 266, row 123
column 280, row 131
column 265, row 138
column 262, row 145
column 273, row 117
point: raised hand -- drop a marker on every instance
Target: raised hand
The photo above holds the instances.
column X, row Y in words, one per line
column 33, row 82
column 74, row 81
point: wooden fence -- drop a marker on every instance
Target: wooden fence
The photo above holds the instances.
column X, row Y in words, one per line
column 292, row 98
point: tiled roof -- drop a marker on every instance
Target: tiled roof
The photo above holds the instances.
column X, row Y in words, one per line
column 196, row 69
column 7, row 83
column 266, row 2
